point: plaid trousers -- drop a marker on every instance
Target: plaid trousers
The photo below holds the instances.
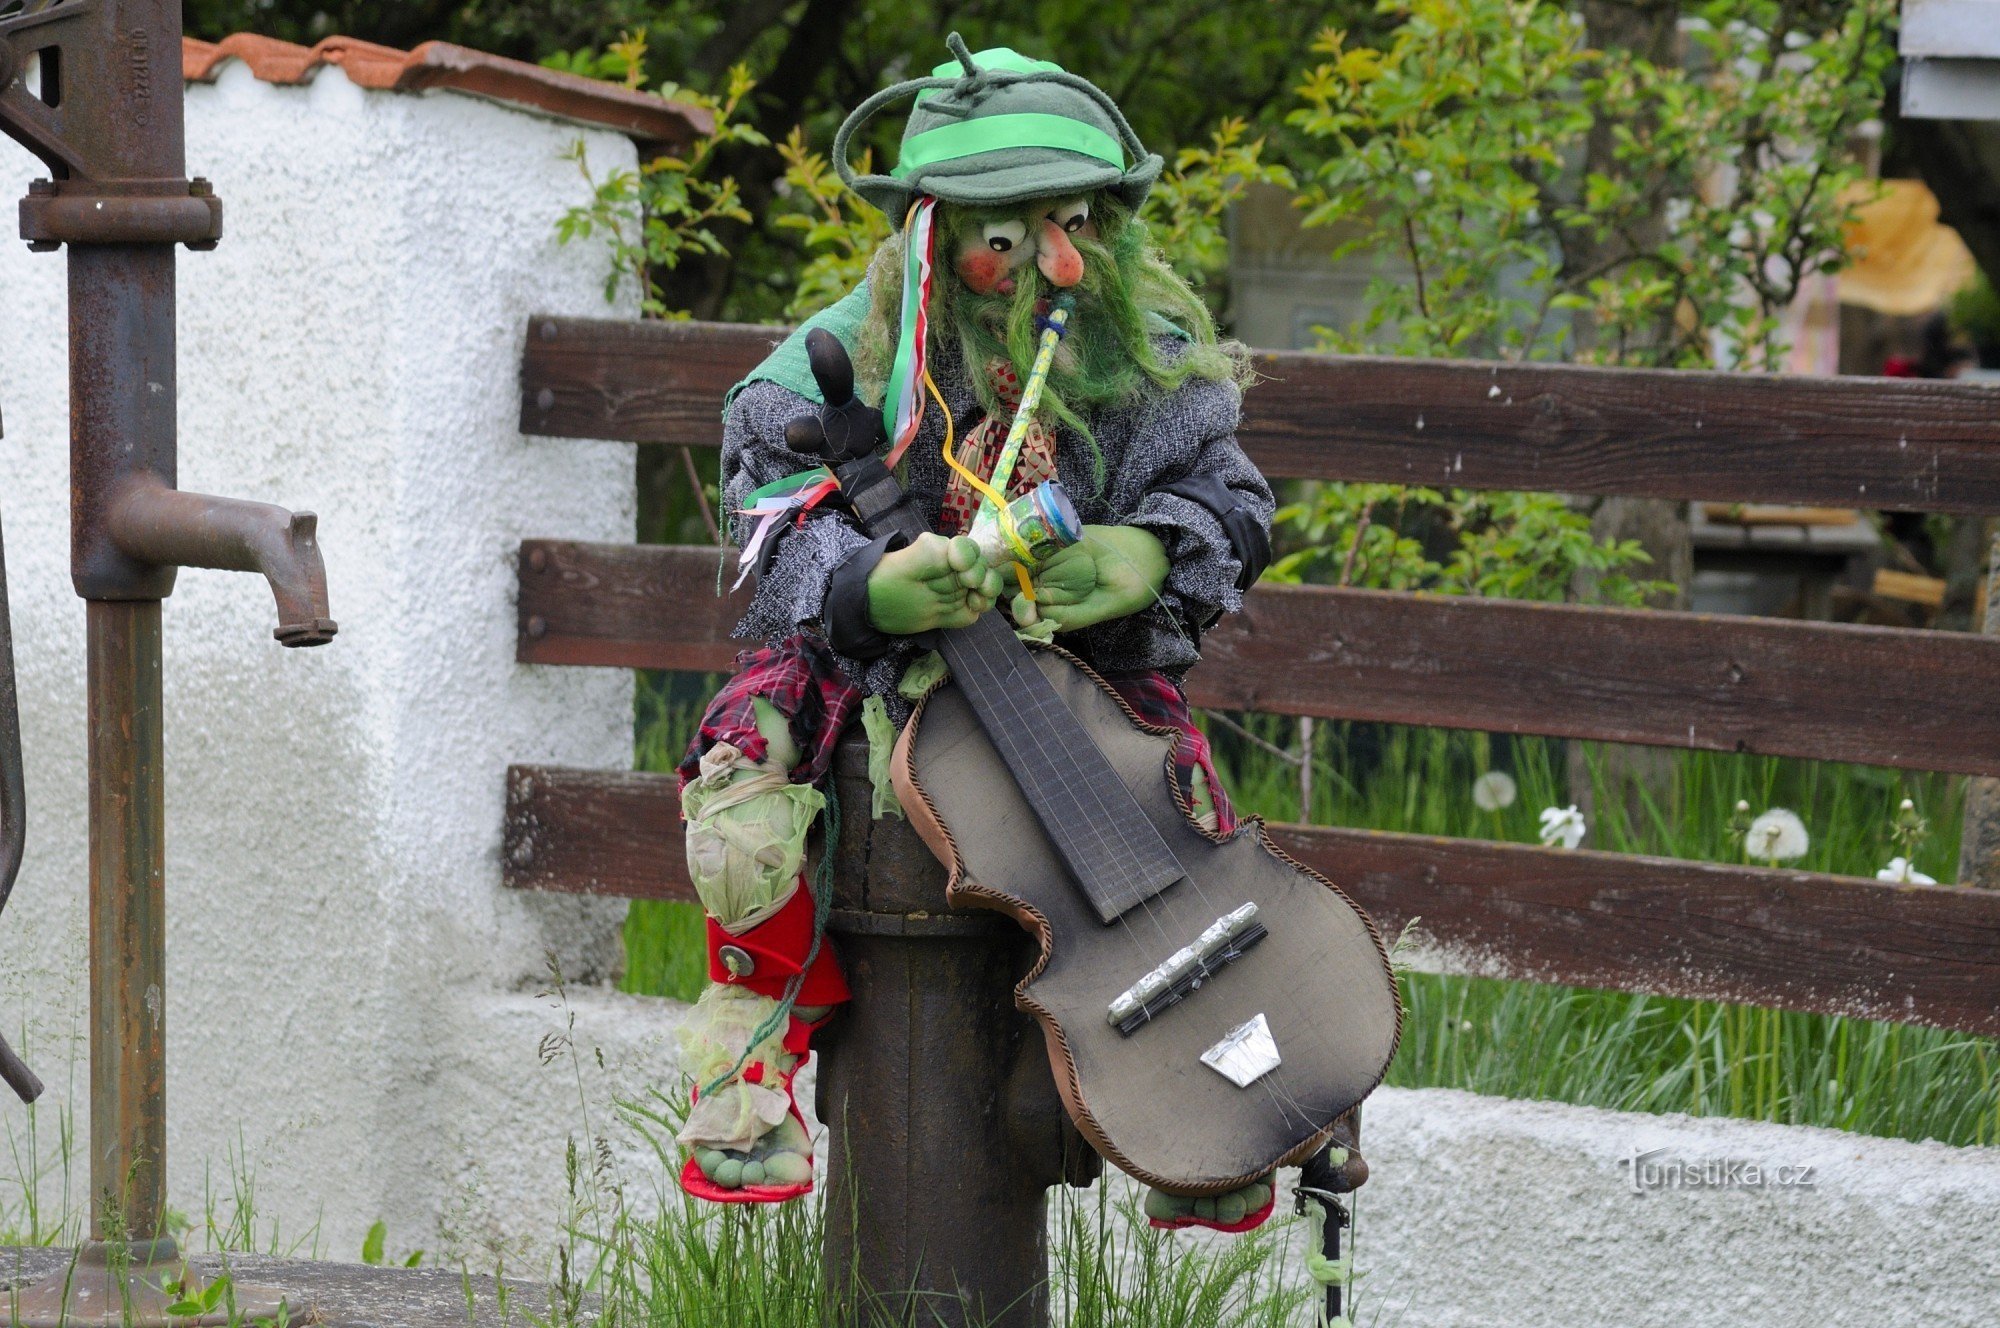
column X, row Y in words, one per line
column 800, row 679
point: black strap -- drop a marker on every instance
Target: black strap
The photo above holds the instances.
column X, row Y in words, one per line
column 1247, row 535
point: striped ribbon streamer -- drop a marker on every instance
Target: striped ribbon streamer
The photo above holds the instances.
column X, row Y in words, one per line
column 903, row 402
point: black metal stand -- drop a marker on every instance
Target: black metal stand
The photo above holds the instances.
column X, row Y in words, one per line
column 1322, row 1181
column 1316, row 1186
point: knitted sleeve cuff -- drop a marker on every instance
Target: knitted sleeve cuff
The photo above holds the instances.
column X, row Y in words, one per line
column 845, row 612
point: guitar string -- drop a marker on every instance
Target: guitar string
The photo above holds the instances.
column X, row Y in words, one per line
column 1032, row 732
column 1021, row 721
column 1284, row 1108
column 1285, row 1105
column 1149, row 959
column 1285, row 1102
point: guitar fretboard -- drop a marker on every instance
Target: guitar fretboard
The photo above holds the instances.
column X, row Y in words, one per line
column 1098, row 828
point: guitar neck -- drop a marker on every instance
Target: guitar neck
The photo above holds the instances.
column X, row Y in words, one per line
column 1097, row 827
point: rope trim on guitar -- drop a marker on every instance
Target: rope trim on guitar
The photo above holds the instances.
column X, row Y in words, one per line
column 960, row 891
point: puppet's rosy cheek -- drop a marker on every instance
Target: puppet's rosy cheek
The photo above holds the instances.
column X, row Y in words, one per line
column 981, row 270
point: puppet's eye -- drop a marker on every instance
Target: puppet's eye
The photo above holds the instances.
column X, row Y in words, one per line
column 1071, row 216
column 1004, row 235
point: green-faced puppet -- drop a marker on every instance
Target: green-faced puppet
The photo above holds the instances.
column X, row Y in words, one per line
column 1016, row 193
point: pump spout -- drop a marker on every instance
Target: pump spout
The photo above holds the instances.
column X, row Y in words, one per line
column 154, row 523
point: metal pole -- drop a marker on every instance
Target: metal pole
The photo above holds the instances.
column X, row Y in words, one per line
column 944, row 1125
column 1979, row 846
column 122, row 403
column 1322, row 1182
column 13, row 817
column 128, row 1120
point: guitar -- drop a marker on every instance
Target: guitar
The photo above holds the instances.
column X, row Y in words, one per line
column 1210, row 1006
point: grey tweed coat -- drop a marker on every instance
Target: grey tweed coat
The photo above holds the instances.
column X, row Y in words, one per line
column 1190, row 431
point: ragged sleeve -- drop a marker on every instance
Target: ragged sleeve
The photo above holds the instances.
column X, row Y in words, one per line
column 792, row 587
column 1204, row 499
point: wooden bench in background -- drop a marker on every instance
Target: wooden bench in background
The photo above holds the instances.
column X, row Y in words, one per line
column 1786, row 939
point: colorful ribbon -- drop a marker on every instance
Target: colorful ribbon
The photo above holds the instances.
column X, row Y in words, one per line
column 769, row 505
column 903, row 400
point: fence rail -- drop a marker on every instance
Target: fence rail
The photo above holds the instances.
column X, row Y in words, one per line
column 1793, row 940
column 1831, row 944
column 1878, row 695
column 1894, row 443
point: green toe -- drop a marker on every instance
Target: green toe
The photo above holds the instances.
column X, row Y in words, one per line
column 1229, row 1209
column 708, row 1159
column 1255, row 1197
column 1164, row 1207
column 753, row 1173
column 1205, row 1209
column 728, row 1174
column 787, row 1169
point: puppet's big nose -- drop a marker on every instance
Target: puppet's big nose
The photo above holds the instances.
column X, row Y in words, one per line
column 1057, row 257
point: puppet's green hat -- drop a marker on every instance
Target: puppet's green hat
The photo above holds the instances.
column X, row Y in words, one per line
column 996, row 128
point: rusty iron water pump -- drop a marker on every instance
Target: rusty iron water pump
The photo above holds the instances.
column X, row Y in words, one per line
column 93, row 88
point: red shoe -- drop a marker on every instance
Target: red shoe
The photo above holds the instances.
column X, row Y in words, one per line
column 765, row 959
column 701, row 1187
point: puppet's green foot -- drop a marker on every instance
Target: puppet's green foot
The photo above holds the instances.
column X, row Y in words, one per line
column 782, row 1157
column 1221, row 1210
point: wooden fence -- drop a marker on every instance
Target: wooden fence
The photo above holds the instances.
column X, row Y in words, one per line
column 1794, row 940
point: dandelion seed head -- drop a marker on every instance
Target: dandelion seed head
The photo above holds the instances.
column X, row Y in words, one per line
column 1901, row 871
column 1777, row 836
column 1494, row 790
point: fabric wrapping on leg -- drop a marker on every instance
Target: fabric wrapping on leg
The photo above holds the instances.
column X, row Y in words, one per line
column 712, row 1041
column 801, row 679
column 746, row 836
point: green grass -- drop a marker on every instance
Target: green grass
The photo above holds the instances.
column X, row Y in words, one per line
column 686, row 1262
column 676, row 1260
column 1511, row 1039
column 1420, row 781
column 1639, row 1052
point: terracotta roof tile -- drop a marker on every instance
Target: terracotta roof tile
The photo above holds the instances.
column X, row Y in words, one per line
column 443, row 66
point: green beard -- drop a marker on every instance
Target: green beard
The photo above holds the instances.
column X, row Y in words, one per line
column 1107, row 358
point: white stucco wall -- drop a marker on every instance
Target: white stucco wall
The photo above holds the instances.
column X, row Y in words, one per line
column 1490, row 1213
column 352, row 995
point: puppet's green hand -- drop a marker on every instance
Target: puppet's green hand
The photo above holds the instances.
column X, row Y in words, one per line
column 932, row 583
column 1109, row 573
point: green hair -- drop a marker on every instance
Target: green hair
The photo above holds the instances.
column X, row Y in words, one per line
column 1110, row 359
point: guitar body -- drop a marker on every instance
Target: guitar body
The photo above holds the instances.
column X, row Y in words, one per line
column 1147, row 1101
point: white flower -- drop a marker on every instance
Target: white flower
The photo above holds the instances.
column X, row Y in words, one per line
column 1562, row 825
column 1777, row 836
column 1902, row 871
column 1494, row 790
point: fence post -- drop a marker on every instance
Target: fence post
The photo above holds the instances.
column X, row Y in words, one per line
column 944, row 1126
column 1979, row 846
